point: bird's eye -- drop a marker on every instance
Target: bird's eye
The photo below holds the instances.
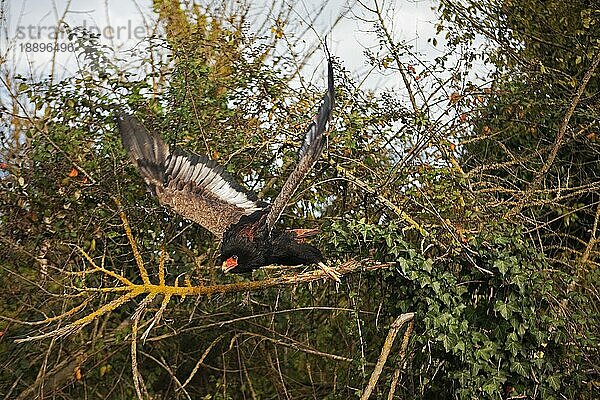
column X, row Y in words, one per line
column 235, row 258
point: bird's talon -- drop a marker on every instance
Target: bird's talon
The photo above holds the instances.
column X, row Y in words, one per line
column 331, row 272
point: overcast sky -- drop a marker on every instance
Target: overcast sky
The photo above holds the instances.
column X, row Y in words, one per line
column 122, row 25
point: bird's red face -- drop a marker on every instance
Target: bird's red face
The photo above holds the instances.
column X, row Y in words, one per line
column 240, row 256
column 230, row 264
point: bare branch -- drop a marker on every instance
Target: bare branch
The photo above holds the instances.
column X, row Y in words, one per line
column 385, row 352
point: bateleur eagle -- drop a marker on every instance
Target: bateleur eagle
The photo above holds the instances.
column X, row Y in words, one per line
column 199, row 189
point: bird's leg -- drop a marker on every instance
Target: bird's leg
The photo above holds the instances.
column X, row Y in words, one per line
column 332, row 273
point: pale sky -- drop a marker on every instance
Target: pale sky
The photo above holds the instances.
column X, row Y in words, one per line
column 34, row 21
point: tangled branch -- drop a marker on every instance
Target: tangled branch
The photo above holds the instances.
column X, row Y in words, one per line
column 129, row 290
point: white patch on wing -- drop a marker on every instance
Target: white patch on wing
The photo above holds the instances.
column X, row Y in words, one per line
column 181, row 169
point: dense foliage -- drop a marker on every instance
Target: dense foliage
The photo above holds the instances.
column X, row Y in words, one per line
column 482, row 199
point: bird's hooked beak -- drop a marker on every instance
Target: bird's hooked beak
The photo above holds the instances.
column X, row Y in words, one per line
column 229, row 264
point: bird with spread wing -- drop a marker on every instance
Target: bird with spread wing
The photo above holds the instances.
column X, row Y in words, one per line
column 199, row 189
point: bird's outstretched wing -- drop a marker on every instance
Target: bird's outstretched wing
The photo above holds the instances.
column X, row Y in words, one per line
column 194, row 186
column 309, row 153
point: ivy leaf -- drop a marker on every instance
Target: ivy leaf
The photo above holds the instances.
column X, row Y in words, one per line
column 554, row 382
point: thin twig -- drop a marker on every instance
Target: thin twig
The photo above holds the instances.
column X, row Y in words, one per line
column 201, row 360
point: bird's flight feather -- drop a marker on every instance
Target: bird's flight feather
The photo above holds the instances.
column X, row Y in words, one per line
column 194, row 186
column 309, row 152
column 198, row 188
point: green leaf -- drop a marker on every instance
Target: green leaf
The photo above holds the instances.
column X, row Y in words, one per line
column 502, row 266
column 519, row 368
column 554, row 382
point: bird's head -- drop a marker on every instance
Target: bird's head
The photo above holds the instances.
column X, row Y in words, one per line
column 241, row 257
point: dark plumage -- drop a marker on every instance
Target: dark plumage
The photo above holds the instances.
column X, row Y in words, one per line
column 197, row 188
